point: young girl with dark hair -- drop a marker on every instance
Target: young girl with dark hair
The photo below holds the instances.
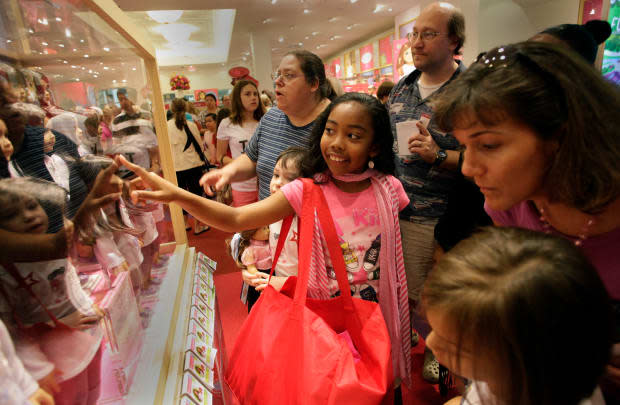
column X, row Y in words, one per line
column 352, row 160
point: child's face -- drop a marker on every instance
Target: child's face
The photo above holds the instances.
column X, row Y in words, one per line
column 49, row 140
column 347, row 141
column 282, row 176
column 442, row 341
column 261, row 234
column 6, row 147
column 210, row 124
column 25, row 217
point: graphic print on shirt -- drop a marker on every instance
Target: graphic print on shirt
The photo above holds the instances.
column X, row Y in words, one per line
column 57, row 284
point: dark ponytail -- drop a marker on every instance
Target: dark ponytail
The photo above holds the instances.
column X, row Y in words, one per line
column 178, row 110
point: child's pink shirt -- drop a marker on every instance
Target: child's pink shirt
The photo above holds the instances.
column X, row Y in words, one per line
column 357, row 223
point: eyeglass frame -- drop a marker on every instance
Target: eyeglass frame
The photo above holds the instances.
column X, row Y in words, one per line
column 425, row 36
column 286, row 77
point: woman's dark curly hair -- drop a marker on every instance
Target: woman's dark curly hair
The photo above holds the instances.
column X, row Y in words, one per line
column 383, row 137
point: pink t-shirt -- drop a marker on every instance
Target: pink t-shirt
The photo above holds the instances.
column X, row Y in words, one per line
column 356, row 218
column 602, row 250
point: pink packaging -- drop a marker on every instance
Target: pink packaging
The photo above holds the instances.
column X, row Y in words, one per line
column 200, row 333
column 200, row 349
column 123, row 327
column 205, row 321
column 199, row 369
column 195, row 390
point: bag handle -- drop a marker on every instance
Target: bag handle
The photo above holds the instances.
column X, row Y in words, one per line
column 313, row 198
column 13, row 272
column 192, row 141
column 286, row 226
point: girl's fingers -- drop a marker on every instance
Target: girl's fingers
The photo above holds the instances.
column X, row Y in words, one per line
column 134, row 168
column 143, row 195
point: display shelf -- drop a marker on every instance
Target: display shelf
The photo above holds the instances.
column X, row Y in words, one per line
column 79, row 54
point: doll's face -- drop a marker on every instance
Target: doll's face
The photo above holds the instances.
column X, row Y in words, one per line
column 261, row 234
column 6, row 147
column 49, row 140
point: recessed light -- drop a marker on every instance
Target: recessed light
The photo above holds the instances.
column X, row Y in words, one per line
column 95, row 76
column 281, row 39
column 353, row 1
column 267, row 20
column 274, row 1
column 77, row 80
column 300, row 44
column 106, row 49
column 73, row 66
column 8, row 41
column 67, row 33
column 61, row 45
column 114, row 81
column 335, row 37
column 90, row 71
column 292, row 27
column 81, row 40
column 42, row 21
column 105, row 68
column 30, row 30
column 315, row 33
column 133, row 68
column 306, row 11
column 58, row 19
column 44, row 43
column 83, row 68
column 74, row 50
column 86, row 56
column 65, row 62
column 124, row 81
column 378, row 8
column 307, row 37
column 333, row 19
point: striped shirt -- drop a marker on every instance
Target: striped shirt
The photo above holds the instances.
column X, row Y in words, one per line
column 426, row 185
column 274, row 134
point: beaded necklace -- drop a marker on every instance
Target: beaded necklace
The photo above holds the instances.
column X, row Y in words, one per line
column 581, row 237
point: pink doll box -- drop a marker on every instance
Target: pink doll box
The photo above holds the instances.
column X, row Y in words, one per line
column 199, row 369
column 197, row 302
column 195, row 390
column 200, row 333
column 205, row 275
column 204, row 352
column 122, row 319
column 185, row 400
column 207, row 322
column 207, row 296
column 206, row 260
column 116, row 377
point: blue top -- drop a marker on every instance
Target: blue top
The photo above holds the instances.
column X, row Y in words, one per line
column 274, row 134
column 426, row 186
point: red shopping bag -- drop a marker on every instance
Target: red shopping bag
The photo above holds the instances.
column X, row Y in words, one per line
column 296, row 350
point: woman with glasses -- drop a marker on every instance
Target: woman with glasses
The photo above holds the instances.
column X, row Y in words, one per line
column 302, row 93
column 539, row 127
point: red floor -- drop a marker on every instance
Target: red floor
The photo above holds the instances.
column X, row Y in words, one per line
column 233, row 312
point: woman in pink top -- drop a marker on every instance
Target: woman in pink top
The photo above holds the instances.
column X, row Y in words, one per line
column 540, row 131
column 235, row 132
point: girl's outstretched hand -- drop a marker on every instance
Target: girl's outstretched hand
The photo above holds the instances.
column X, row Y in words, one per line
column 148, row 185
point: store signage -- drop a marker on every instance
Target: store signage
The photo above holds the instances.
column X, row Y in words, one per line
column 367, row 58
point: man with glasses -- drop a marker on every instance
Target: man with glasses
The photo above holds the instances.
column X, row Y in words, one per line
column 427, row 164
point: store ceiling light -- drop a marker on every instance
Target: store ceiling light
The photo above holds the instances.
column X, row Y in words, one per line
column 105, row 68
column 44, row 43
column 353, row 1
column 267, row 20
column 274, row 1
column 306, row 11
column 165, row 16
column 333, row 19
column 315, row 33
column 61, row 45
column 133, row 68
column 73, row 66
column 281, row 39
column 8, row 41
column 58, row 19
column 95, row 76
column 81, row 41
column 42, row 21
column 30, row 30
column 378, row 8
column 176, row 33
column 106, row 49
column 124, row 81
column 86, row 56
column 67, row 32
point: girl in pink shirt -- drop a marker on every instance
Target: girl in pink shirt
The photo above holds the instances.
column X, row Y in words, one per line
column 350, row 156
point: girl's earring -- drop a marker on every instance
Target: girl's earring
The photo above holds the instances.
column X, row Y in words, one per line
column 371, row 164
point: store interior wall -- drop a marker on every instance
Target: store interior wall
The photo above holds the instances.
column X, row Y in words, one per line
column 489, row 23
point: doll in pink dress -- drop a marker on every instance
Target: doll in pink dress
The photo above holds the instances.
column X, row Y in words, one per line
column 250, row 249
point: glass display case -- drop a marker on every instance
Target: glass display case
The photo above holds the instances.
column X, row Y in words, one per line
column 87, row 59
